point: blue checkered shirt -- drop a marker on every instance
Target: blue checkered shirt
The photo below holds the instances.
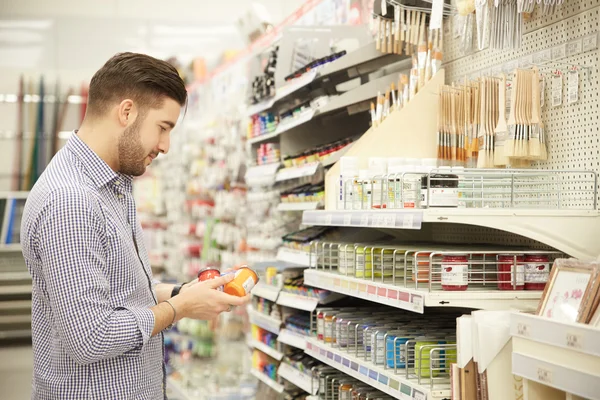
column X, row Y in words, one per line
column 92, row 284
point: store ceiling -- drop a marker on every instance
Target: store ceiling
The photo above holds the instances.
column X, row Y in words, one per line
column 73, row 38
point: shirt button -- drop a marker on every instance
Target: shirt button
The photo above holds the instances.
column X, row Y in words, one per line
column 117, row 183
column 120, row 196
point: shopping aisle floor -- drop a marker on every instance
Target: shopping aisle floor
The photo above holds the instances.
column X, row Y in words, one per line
column 16, row 368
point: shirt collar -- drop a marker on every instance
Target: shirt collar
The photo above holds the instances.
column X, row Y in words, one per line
column 97, row 169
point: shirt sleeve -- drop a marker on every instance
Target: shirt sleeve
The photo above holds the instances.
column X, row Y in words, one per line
column 72, row 248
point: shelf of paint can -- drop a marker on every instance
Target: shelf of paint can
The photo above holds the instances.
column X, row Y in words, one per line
column 292, row 339
column 269, row 292
column 266, row 322
column 294, row 257
column 396, row 385
column 301, row 379
column 268, row 381
column 268, row 350
column 417, row 299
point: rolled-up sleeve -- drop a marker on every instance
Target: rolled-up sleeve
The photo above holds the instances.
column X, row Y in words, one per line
column 72, row 247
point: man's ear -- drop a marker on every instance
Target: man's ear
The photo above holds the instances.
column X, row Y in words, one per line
column 127, row 112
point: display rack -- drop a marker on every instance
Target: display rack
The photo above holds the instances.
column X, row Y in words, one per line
column 299, row 206
column 277, row 355
column 294, row 257
column 306, row 303
column 269, row 292
column 578, row 227
column 266, row 322
column 382, row 379
column 297, row 172
column 564, row 356
column 292, row 339
column 265, row 379
column 301, row 379
column 417, row 299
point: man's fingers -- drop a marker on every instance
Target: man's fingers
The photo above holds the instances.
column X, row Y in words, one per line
column 220, row 281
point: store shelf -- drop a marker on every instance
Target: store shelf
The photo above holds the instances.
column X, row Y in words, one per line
column 260, row 107
column 417, row 299
column 562, row 355
column 15, row 334
column 262, row 174
column 363, row 60
column 578, row 228
column 335, row 157
column 14, row 276
column 266, row 349
column 263, row 138
column 297, row 172
column 305, row 303
column 265, row 291
column 389, row 219
column 295, row 257
column 292, row 339
column 577, row 337
column 299, row 206
column 265, row 379
column 302, row 380
column 15, row 319
column 385, row 380
column 266, row 322
column 15, row 289
column 11, row 248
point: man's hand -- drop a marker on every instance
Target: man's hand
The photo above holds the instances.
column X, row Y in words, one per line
column 202, row 300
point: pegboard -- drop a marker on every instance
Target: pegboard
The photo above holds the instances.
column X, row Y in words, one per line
column 572, row 130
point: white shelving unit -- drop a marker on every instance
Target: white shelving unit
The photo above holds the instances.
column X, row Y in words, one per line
column 302, row 171
column 266, row 322
column 578, row 228
column 305, row 303
column 292, row 339
column 417, row 299
column 262, row 174
column 294, row 257
column 303, row 380
column 299, row 206
column 382, row 379
column 265, row 379
column 265, row 291
column 564, row 356
column 266, row 349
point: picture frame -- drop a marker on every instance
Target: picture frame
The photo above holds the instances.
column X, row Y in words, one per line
column 570, row 292
column 595, row 319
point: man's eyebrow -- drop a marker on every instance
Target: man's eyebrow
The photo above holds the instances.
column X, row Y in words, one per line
column 171, row 124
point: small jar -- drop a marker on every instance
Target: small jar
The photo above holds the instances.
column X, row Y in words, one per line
column 345, row 391
column 244, row 280
column 537, row 271
column 208, row 273
column 328, row 330
column 506, row 272
column 443, row 191
column 320, row 325
column 455, row 272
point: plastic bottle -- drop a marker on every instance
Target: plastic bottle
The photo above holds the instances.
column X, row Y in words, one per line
column 348, row 172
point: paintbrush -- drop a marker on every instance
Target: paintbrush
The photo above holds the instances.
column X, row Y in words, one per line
column 422, row 55
column 373, row 115
column 405, row 89
column 501, row 131
column 440, row 145
column 379, row 33
column 535, row 147
column 482, row 135
column 393, row 97
column 509, row 144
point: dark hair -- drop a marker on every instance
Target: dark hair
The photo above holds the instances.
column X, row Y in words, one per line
column 142, row 78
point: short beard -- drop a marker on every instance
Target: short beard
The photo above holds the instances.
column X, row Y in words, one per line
column 131, row 151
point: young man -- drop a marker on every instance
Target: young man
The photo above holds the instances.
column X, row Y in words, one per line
column 97, row 313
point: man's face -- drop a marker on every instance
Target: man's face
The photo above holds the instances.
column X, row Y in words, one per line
column 147, row 136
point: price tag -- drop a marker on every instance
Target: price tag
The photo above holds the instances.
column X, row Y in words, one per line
column 590, row 42
column 559, row 52
column 574, row 47
column 364, row 220
column 557, row 89
column 389, row 221
column 544, row 375
column 417, row 302
column 522, row 329
column 574, row 341
column 572, row 86
column 407, row 221
column 347, row 219
column 328, row 219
